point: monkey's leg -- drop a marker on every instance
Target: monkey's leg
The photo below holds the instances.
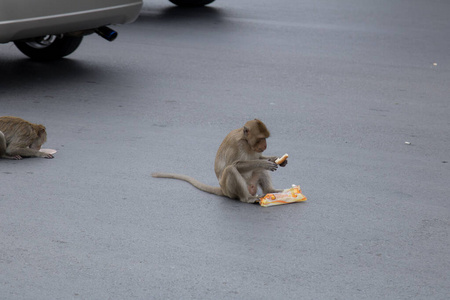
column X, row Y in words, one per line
column 2, row 144
column 252, row 183
column 266, row 183
column 3, row 148
column 235, row 186
column 252, row 189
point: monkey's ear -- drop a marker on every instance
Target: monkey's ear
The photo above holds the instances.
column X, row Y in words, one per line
column 41, row 130
column 246, row 130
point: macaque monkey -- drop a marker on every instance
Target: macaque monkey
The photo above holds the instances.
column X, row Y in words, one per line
column 20, row 138
column 240, row 166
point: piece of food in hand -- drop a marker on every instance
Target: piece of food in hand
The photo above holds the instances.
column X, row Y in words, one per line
column 281, row 159
column 48, row 151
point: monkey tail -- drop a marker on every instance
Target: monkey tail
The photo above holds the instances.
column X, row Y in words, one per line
column 201, row 186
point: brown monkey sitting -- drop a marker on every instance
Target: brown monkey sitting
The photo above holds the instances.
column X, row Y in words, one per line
column 20, row 138
column 240, row 166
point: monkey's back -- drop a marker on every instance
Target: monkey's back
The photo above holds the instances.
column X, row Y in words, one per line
column 226, row 154
column 233, row 148
column 11, row 126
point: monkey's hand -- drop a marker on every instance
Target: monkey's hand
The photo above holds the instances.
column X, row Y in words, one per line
column 45, row 155
column 274, row 158
column 282, row 160
column 283, row 164
column 270, row 158
column 269, row 165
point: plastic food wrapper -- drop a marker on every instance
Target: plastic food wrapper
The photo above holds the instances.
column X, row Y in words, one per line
column 293, row 194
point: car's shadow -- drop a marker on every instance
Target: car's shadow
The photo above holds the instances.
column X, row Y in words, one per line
column 26, row 69
column 20, row 75
column 24, row 75
column 183, row 17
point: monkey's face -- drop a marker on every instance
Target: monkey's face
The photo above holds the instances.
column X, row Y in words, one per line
column 256, row 134
column 36, row 145
column 260, row 145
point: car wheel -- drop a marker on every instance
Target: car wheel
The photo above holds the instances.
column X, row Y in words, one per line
column 191, row 2
column 49, row 47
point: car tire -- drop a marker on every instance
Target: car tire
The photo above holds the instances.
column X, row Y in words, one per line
column 49, row 47
column 191, row 3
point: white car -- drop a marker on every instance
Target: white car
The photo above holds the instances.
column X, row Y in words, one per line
column 49, row 29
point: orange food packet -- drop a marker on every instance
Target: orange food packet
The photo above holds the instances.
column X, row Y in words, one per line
column 293, row 194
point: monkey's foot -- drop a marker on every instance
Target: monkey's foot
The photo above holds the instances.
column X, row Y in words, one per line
column 252, row 199
column 16, row 157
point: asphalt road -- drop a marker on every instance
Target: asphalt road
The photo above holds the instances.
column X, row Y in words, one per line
column 342, row 85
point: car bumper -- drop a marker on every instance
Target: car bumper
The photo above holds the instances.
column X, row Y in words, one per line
column 34, row 26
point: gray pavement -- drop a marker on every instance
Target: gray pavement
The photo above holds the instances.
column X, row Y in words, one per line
column 342, row 85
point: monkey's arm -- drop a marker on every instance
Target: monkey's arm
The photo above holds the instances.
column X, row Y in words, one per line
column 244, row 166
column 26, row 152
column 274, row 158
column 271, row 158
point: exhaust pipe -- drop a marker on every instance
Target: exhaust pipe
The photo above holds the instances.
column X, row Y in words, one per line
column 106, row 33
